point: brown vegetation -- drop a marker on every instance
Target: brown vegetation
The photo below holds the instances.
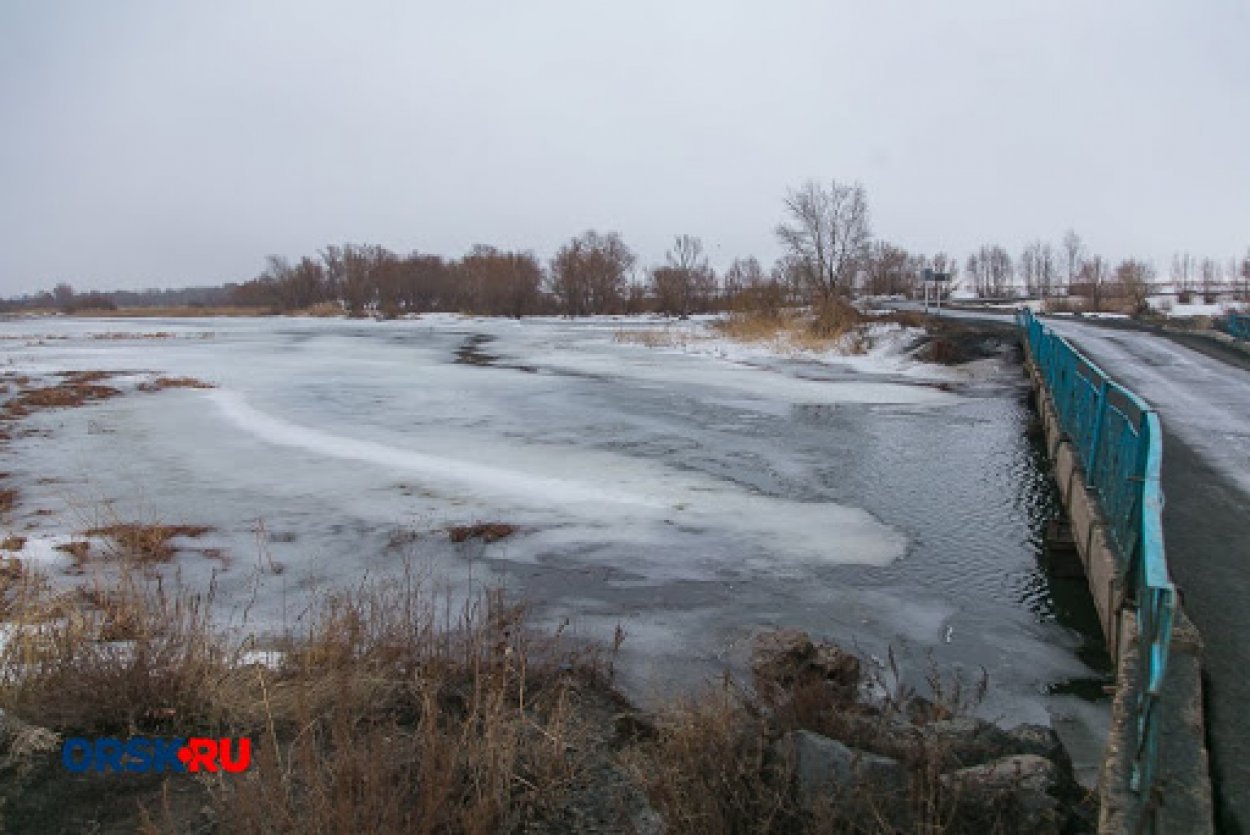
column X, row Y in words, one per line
column 140, row 543
column 8, row 498
column 832, row 324
column 162, row 383
column 372, row 718
column 76, row 389
column 376, row 716
column 485, row 531
column 187, row 312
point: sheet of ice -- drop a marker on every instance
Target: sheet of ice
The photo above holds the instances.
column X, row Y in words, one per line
column 695, row 498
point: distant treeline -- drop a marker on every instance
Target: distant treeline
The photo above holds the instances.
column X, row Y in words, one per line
column 825, row 234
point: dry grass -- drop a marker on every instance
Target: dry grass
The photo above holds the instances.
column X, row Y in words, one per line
column 385, row 713
column 709, row 769
column 755, row 326
column 13, row 543
column 485, row 531
column 78, row 388
column 162, row 383
column 124, row 335
column 323, row 310
column 171, row 312
column 8, row 499
column 135, row 542
column 652, row 337
column 832, row 325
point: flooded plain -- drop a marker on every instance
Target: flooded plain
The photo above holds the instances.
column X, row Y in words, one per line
column 692, row 498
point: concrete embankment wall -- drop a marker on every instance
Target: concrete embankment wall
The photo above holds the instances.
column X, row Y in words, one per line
column 1182, row 799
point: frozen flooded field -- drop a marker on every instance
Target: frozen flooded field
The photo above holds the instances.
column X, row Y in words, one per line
column 692, row 494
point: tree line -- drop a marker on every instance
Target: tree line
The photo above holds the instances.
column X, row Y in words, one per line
column 828, row 251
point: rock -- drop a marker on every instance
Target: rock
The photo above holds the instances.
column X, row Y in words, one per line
column 20, row 740
column 822, row 765
column 634, row 727
column 785, row 659
column 1042, row 741
column 964, row 742
column 1013, row 794
column 648, row 821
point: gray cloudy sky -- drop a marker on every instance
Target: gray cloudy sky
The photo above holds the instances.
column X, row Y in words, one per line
column 166, row 144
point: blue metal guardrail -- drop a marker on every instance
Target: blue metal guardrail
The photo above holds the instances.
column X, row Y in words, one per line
column 1120, row 444
column 1237, row 324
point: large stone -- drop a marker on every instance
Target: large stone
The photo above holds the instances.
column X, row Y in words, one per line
column 786, row 659
column 1012, row 794
column 823, row 765
column 21, row 741
column 1042, row 741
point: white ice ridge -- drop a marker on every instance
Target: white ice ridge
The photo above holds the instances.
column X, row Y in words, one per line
column 481, row 478
column 641, row 498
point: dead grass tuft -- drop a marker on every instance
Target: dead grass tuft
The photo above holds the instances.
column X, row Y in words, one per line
column 709, row 769
column 834, row 318
column 140, row 543
column 8, row 499
column 323, row 310
column 652, row 337
column 162, row 383
column 485, row 531
column 13, row 543
column 754, row 325
column 77, row 389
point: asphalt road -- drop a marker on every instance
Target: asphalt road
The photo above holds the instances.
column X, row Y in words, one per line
column 1203, row 400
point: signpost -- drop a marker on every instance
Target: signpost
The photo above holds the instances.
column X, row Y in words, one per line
column 936, row 280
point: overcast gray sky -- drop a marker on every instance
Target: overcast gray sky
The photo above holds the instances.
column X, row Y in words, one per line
column 167, row 144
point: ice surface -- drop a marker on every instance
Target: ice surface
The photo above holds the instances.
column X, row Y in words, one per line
column 693, row 494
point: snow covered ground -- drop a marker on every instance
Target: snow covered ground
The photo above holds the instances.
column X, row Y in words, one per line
column 694, row 493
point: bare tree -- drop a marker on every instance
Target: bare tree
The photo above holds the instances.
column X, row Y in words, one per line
column 827, row 235
column 63, row 297
column 589, row 274
column 1244, row 272
column 1184, row 268
column 890, row 270
column 1073, row 256
column 1210, row 272
column 686, row 284
column 1038, row 269
column 743, row 274
column 1134, row 277
column 1092, row 281
column 1001, row 271
column 978, row 270
column 501, row 283
column 991, row 271
column 748, row 287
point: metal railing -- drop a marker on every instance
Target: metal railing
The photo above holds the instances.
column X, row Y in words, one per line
column 1119, row 442
column 1237, row 324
